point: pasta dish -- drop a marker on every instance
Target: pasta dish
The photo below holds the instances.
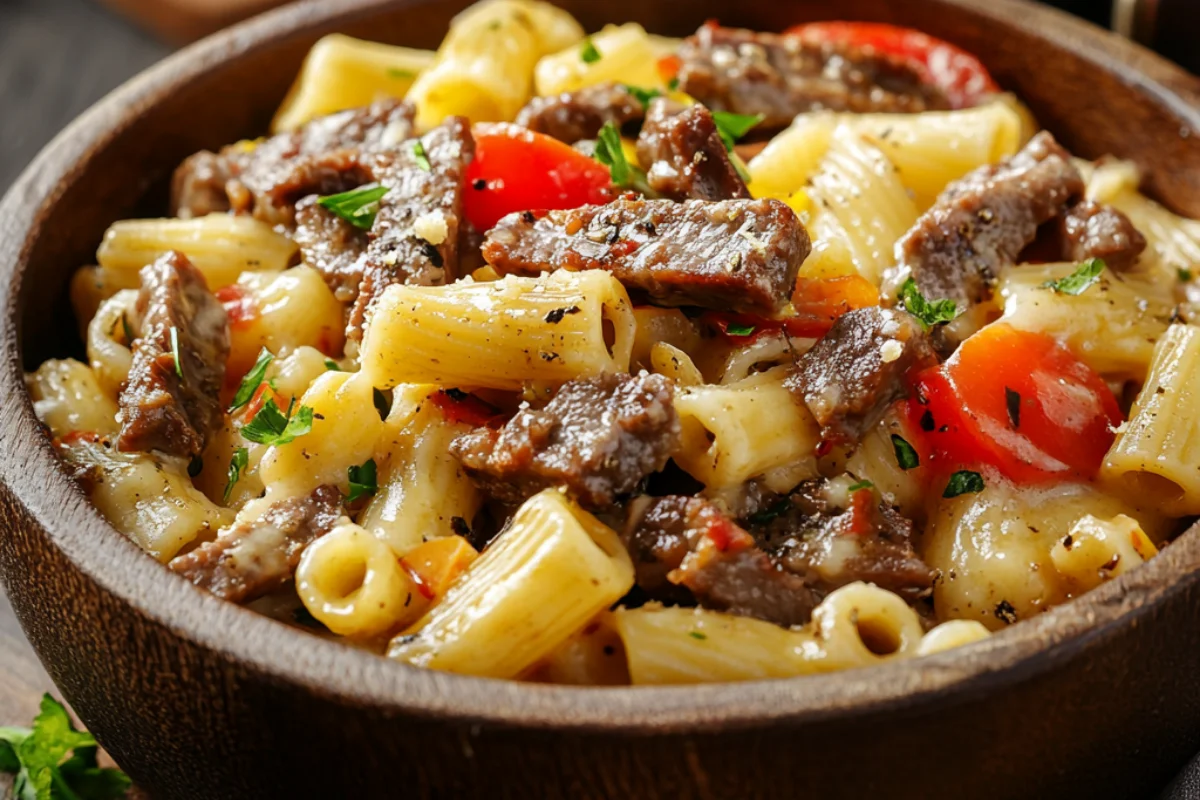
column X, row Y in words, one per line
column 612, row 358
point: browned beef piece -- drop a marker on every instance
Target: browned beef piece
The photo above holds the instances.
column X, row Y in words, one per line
column 737, row 254
column 1091, row 230
column 983, row 221
column 415, row 236
column 252, row 559
column 831, row 547
column 598, row 437
column 688, row 542
column 685, row 156
column 859, row 368
column 170, row 402
column 573, row 116
column 326, row 156
column 729, row 69
column 332, row 246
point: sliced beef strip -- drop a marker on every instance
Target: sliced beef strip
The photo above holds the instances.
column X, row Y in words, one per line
column 415, row 236
column 573, row 116
column 331, row 246
column 1091, row 230
column 684, row 155
column 266, row 179
column 160, row 409
column 830, row 546
column 730, row 69
column 689, row 543
column 983, row 221
column 736, row 254
column 599, row 437
column 251, row 559
column 859, row 368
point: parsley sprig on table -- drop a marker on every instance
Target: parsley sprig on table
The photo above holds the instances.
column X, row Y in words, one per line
column 53, row 761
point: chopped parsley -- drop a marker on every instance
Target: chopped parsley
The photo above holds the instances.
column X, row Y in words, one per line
column 126, row 329
column 863, row 484
column 400, row 74
column 588, row 53
column 673, row 84
column 928, row 313
column 272, row 426
column 698, row 635
column 1012, row 400
column 175, row 352
column 768, row 514
column 610, row 153
column 53, row 761
column 1185, row 275
column 332, row 365
column 239, row 462
column 420, row 156
column 362, row 480
column 252, row 380
column 739, row 330
column 357, row 206
column 731, row 127
column 963, row 482
column 1078, row 281
column 643, row 96
column 906, row 456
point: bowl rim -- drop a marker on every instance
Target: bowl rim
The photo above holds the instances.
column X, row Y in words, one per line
column 275, row 651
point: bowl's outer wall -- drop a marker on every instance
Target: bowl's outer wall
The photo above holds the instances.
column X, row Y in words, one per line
column 189, row 716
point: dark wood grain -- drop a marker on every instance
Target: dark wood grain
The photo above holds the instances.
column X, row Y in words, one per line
column 201, row 699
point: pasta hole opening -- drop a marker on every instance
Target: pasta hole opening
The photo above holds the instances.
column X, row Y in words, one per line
column 344, row 583
column 878, row 636
column 609, row 331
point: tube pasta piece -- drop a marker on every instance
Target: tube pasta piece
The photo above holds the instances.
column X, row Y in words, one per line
column 792, row 157
column 653, row 325
column 736, row 432
column 594, row 656
column 500, row 335
column 1156, row 452
column 875, row 460
column 767, row 350
column 90, row 287
column 221, row 246
column 341, row 72
column 68, row 398
column 856, row 626
column 149, row 499
column 345, row 430
column 484, row 67
column 353, row 583
column 858, row 185
column 109, row 339
column 1111, row 326
column 1097, row 550
column 667, row 359
column 214, row 477
column 627, row 54
column 952, row 634
column 423, row 489
column 552, row 570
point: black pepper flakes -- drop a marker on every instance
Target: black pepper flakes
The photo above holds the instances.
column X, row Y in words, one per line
column 1005, row 612
column 479, row 184
column 460, row 527
column 528, row 218
column 432, row 253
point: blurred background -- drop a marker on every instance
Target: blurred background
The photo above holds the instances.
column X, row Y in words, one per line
column 58, row 56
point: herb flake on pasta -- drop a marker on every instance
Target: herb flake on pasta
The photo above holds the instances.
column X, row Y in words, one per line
column 237, row 464
column 610, row 153
column 643, row 96
column 906, row 456
column 332, row 365
column 739, row 330
column 363, row 482
column 963, row 482
column 252, row 380
column 272, row 426
column 126, row 329
column 1078, row 281
column 400, row 74
column 420, row 156
column 588, row 54
column 357, row 206
column 860, row 485
column 928, row 313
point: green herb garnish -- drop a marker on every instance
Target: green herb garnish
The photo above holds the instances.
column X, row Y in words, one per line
column 698, row 635
column 1078, row 281
column 739, row 330
column 420, row 156
column 271, row 426
column 731, row 127
column 643, row 96
column 610, row 153
column 963, row 482
column 768, row 514
column 362, row 480
column 1185, row 275
column 588, row 53
column 38, row 756
column 357, row 206
column 864, row 484
column 126, row 329
column 239, row 462
column 332, row 365
column 252, row 380
column 673, row 84
column 175, row 352
column 906, row 456
column 928, row 313
column 400, row 74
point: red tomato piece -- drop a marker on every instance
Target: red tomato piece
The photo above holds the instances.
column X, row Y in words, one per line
column 1017, row 401
column 819, row 302
column 960, row 75
column 668, row 67
column 458, row 406
column 240, row 305
column 518, row 170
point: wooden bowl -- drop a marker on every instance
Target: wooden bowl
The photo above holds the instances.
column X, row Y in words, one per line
column 199, row 698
